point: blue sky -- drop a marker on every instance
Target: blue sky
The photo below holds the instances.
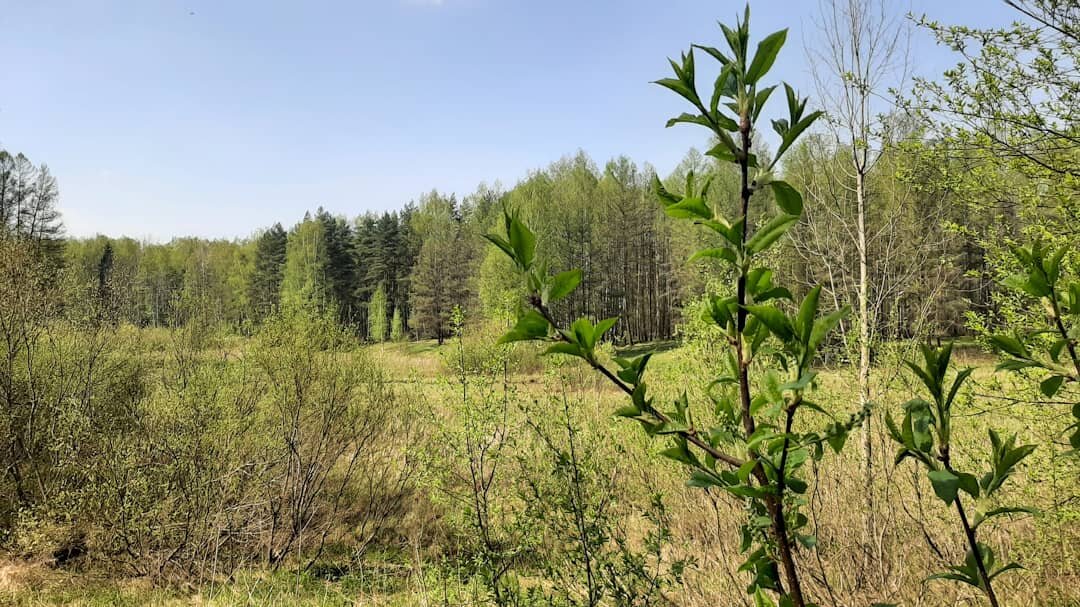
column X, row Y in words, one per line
column 164, row 118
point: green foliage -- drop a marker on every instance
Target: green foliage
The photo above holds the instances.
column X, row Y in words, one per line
column 377, row 313
column 397, row 330
column 304, row 279
column 439, row 282
column 760, row 426
column 925, row 435
column 1052, row 347
column 265, row 285
column 573, row 496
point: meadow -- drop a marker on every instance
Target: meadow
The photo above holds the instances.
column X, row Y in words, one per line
column 449, row 407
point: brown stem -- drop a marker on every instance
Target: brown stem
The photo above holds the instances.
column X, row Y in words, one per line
column 970, row 533
column 1060, row 326
column 773, row 503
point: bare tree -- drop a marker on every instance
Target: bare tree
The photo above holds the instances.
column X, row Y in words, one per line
column 861, row 55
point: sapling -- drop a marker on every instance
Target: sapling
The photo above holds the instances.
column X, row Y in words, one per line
column 925, row 435
column 751, row 446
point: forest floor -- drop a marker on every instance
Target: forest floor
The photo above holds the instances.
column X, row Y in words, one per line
column 916, row 535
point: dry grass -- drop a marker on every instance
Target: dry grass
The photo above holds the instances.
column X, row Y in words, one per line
column 915, row 534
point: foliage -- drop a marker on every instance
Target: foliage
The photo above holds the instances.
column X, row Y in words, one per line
column 573, row 496
column 377, row 315
column 1052, row 349
column 761, row 424
column 925, row 435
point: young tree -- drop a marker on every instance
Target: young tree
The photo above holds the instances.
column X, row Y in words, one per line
column 752, row 450
column 377, row 315
column 104, row 270
column 397, row 328
column 439, row 281
column 928, row 422
column 862, row 55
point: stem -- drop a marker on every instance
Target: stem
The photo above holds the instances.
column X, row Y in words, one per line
column 1060, row 326
column 970, row 533
column 691, row 435
column 773, row 504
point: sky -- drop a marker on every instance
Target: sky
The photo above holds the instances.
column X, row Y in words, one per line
column 214, row 118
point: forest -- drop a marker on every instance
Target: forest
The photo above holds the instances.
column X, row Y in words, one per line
column 835, row 365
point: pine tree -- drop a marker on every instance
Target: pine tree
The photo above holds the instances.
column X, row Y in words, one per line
column 340, row 264
column 439, row 281
column 264, row 290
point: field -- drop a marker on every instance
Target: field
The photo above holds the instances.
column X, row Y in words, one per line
column 453, row 401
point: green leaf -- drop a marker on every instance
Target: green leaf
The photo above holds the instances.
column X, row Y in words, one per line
column 765, row 56
column 667, row 198
column 945, row 484
column 563, row 348
column 703, row 480
column 563, row 284
column 1051, row 385
column 969, row 484
column 1009, row 567
column 760, row 99
column 582, row 330
column 770, row 233
column 805, row 320
column 787, row 198
column 689, row 119
column 1009, row 345
column 679, row 87
column 689, row 207
column 980, row 518
column 502, row 243
column 822, row 326
column 524, row 243
column 836, row 439
column 677, row 453
column 762, row 600
column 724, row 253
column 603, row 327
column 530, row 325
column 715, row 53
column 777, row 322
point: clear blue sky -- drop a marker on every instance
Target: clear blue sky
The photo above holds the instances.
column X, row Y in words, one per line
column 163, row 118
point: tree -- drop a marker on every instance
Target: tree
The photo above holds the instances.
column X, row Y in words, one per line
column 340, row 268
column 753, row 449
column 1007, row 141
column 927, row 422
column 377, row 315
column 439, row 281
column 28, row 199
column 304, row 279
column 397, row 328
column 264, row 290
column 863, row 54
column 104, row 269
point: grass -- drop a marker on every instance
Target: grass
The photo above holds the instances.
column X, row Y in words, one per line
column 917, row 535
